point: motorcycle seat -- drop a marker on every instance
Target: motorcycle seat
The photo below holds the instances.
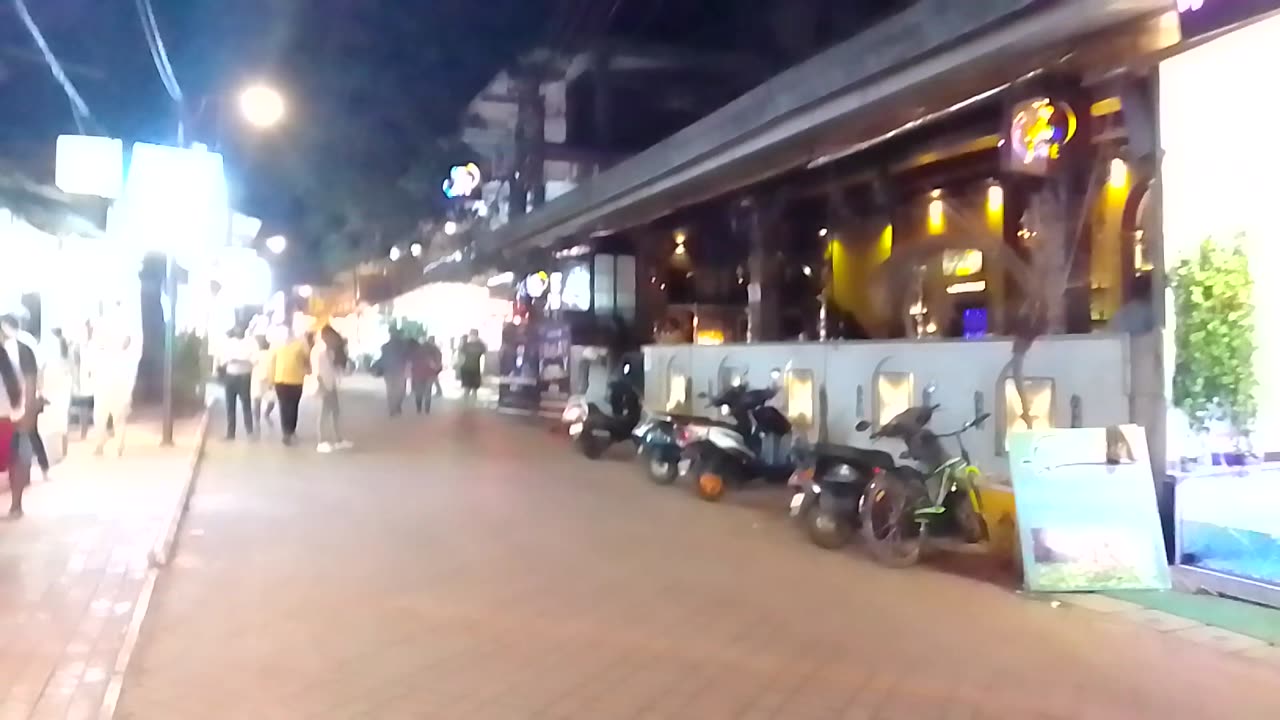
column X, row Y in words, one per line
column 855, row 456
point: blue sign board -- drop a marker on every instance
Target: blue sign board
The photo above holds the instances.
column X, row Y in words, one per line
column 1086, row 505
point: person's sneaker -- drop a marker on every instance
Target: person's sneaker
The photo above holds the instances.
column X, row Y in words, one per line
column 325, row 448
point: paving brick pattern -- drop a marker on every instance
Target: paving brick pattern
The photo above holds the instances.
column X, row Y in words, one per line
column 72, row 571
column 469, row 567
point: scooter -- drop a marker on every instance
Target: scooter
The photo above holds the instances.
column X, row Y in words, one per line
column 661, row 437
column 828, row 485
column 722, row 455
column 594, row 430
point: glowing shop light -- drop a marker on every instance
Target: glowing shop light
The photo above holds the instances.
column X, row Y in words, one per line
column 995, row 199
column 462, row 180
column 394, row 254
column 415, row 249
column 1119, row 175
column 450, row 228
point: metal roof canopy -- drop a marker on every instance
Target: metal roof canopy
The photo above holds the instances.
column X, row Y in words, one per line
column 931, row 56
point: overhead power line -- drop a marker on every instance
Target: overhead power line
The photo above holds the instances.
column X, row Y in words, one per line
column 79, row 109
column 155, row 42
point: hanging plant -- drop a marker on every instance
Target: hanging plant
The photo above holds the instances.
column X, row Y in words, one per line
column 1215, row 338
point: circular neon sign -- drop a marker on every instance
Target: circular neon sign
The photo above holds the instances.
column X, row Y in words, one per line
column 1040, row 129
column 462, row 181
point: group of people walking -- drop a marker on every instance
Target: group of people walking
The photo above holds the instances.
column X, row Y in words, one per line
column 259, row 376
column 410, row 368
column 47, row 378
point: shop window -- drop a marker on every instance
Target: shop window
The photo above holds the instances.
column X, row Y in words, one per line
column 1039, row 392
column 894, row 393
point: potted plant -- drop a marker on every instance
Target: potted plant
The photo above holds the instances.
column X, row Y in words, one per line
column 1214, row 380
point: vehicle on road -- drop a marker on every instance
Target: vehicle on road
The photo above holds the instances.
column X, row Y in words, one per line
column 594, row 429
column 660, row 438
column 828, row 485
column 748, row 447
column 906, row 506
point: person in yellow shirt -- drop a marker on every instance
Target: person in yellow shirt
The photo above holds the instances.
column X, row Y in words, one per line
column 292, row 364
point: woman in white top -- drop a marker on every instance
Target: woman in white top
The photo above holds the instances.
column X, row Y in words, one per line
column 328, row 359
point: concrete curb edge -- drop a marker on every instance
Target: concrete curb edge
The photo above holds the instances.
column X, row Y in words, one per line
column 157, row 558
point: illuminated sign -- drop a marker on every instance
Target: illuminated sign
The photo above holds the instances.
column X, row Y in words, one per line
column 462, row 180
column 1038, row 131
column 535, row 286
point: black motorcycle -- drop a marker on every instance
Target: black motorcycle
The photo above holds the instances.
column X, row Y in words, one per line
column 828, row 486
column 594, row 430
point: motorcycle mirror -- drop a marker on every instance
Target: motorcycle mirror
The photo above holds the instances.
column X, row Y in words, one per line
column 862, row 426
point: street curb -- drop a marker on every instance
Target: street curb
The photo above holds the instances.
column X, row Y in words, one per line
column 162, row 551
column 157, row 559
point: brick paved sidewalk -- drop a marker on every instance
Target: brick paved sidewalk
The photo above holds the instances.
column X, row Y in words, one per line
column 73, row 571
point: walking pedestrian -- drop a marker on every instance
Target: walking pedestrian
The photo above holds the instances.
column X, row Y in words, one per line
column 235, row 362
column 19, row 374
column 471, row 365
column 425, row 364
column 394, row 366
column 116, row 353
column 328, row 361
column 291, row 366
column 262, row 393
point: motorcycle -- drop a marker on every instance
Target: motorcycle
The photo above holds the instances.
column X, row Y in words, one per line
column 906, row 506
column 732, row 454
column 594, row 430
column 660, row 439
column 828, row 485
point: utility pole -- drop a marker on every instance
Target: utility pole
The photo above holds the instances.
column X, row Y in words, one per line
column 171, row 323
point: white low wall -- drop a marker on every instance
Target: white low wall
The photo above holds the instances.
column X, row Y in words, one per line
column 1092, row 370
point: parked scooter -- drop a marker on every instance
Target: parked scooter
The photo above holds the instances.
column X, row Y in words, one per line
column 906, row 506
column 660, row 438
column 720, row 456
column 594, row 430
column 828, row 485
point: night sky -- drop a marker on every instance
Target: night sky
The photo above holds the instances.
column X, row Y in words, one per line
column 373, row 87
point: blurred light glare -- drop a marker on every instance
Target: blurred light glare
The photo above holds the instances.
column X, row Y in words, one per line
column 415, row 249
column 305, row 291
column 262, row 106
column 394, row 254
column 450, row 228
column 276, row 244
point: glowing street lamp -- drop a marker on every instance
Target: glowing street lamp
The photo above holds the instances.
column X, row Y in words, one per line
column 394, row 254
column 276, row 244
column 262, row 106
column 450, row 228
column 415, row 249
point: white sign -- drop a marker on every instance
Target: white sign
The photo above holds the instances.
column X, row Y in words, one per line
column 88, row 165
column 175, row 200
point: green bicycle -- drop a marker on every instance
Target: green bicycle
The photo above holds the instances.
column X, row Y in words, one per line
column 903, row 507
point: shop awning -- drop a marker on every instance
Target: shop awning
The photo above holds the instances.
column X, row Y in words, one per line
column 930, row 57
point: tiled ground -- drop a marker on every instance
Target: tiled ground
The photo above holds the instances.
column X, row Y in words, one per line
column 469, row 567
column 72, row 572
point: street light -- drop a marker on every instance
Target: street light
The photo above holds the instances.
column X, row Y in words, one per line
column 276, row 244
column 394, row 254
column 415, row 249
column 262, row 106
column 450, row 228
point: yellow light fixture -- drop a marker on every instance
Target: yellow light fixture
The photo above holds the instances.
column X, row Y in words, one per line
column 681, row 237
column 995, row 199
column 937, row 220
column 1119, row 178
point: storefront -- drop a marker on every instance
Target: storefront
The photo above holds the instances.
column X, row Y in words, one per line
column 1221, row 237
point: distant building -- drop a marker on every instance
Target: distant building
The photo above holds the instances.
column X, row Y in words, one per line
column 552, row 120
